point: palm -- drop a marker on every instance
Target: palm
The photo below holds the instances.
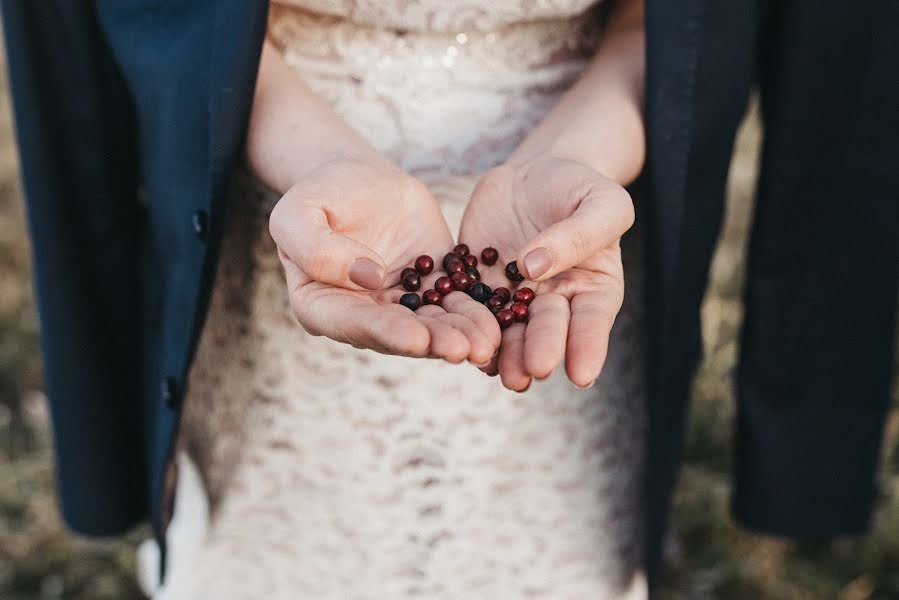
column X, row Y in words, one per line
column 574, row 308
column 399, row 220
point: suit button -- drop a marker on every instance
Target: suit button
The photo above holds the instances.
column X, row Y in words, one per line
column 169, row 392
column 200, row 219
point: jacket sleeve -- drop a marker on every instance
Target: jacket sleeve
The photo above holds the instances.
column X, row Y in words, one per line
column 77, row 143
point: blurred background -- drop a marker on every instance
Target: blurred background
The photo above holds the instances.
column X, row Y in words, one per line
column 707, row 556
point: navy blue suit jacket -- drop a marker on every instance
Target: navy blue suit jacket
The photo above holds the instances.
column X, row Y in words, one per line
column 130, row 115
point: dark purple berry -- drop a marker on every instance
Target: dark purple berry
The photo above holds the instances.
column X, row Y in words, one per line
column 503, row 293
column 424, row 264
column 443, row 285
column 523, row 295
column 410, row 301
column 480, row 292
column 489, row 256
column 411, row 282
column 432, row 297
column 519, row 311
column 461, row 282
column 461, row 249
column 512, row 272
column 449, row 257
column 473, row 273
column 505, row 317
column 406, row 271
column 455, row 266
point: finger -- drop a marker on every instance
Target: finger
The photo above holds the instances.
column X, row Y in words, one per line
column 511, row 359
column 491, row 369
column 592, row 317
column 346, row 317
column 479, row 315
column 604, row 214
column 447, row 342
column 302, row 232
column 546, row 334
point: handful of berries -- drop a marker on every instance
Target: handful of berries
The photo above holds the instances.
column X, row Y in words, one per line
column 461, row 267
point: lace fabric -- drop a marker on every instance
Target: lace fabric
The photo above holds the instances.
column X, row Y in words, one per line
column 333, row 472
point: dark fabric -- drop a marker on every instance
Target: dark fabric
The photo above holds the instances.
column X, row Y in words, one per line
column 814, row 382
column 699, row 70
column 77, row 142
column 130, row 115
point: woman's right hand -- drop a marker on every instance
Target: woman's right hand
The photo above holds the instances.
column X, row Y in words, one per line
column 344, row 232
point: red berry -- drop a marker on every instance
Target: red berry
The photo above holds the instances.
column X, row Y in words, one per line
column 505, row 317
column 489, row 256
column 449, row 257
column 411, row 282
column 519, row 311
column 455, row 266
column 461, row 282
column 410, row 301
column 523, row 295
column 432, row 297
column 503, row 293
column 512, row 272
column 496, row 309
column 470, row 260
column 443, row 285
column 406, row 271
column 495, row 301
column 424, row 264
column 461, row 249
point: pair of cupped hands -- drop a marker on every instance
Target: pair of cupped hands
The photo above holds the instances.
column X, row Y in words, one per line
column 348, row 228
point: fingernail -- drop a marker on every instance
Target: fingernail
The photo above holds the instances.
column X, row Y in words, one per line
column 366, row 273
column 537, row 262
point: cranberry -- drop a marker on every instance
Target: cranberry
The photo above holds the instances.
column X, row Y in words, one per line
column 455, row 266
column 503, row 293
column 406, row 271
column 496, row 309
column 443, row 285
column 519, row 311
column 480, row 292
column 461, row 282
column 489, row 256
column 451, row 256
column 523, row 295
column 424, row 264
column 411, row 282
column 432, row 297
column 461, row 249
column 470, row 260
column 505, row 317
column 512, row 272
column 495, row 301
column 473, row 273
column 410, row 301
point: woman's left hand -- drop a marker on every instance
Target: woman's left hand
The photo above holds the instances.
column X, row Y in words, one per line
column 562, row 221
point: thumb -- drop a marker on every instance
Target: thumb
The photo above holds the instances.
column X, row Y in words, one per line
column 303, row 233
column 602, row 214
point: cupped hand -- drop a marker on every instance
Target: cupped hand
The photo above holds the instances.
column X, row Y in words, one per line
column 344, row 233
column 562, row 221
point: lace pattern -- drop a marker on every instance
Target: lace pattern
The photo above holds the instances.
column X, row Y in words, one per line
column 333, row 472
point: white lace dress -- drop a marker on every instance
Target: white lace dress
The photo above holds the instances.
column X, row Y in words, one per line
column 310, row 469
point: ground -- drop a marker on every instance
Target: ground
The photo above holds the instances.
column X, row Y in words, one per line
column 707, row 557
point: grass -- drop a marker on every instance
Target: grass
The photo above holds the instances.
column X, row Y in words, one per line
column 707, row 556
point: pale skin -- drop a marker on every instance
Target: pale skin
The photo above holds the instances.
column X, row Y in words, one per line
column 558, row 205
